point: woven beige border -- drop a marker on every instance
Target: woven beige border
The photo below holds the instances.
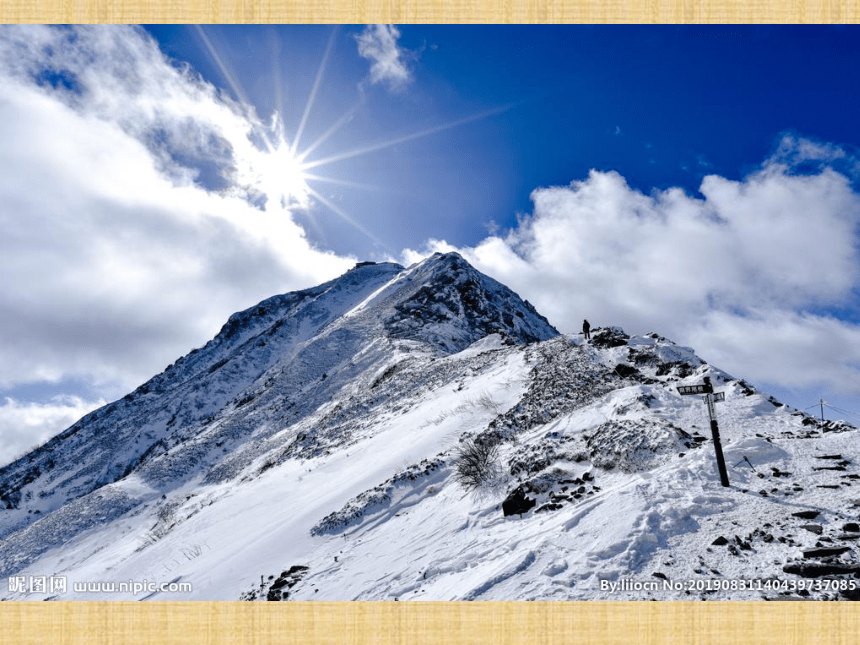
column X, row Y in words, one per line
column 432, row 11
column 420, row 623
column 383, row 623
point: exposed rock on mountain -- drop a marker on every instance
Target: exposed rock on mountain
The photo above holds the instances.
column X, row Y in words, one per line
column 310, row 451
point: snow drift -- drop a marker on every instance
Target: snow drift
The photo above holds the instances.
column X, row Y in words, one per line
column 309, row 451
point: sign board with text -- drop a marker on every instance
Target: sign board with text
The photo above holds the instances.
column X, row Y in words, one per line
column 702, row 388
column 710, row 397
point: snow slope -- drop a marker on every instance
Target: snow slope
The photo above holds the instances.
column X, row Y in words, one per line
column 309, row 452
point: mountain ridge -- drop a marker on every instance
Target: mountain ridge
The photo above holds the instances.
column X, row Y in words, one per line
column 288, row 322
column 318, row 433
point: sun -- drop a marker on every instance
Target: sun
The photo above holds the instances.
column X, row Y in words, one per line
column 273, row 172
column 282, row 177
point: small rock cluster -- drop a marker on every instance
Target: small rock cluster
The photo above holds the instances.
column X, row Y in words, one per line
column 829, row 557
column 552, row 490
column 277, row 589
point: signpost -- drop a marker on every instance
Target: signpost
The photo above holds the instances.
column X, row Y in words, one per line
column 710, row 397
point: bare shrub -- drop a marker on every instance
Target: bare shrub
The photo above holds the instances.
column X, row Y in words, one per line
column 166, row 520
column 478, row 468
column 486, row 402
column 194, row 551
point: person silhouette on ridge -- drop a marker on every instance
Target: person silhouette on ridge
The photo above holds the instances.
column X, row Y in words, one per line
column 586, row 330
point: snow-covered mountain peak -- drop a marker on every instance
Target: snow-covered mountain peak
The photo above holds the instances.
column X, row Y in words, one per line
column 320, row 434
column 452, row 304
column 277, row 353
column 320, row 304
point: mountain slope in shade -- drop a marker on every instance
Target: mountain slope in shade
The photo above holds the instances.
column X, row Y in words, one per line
column 309, row 450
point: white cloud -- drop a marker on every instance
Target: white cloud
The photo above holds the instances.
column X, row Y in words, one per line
column 793, row 150
column 751, row 274
column 122, row 246
column 378, row 44
column 793, row 349
column 26, row 425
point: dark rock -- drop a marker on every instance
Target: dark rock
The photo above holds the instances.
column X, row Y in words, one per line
column 608, row 337
column 850, row 594
column 623, row 370
column 548, row 507
column 825, row 552
column 828, row 457
column 813, row 528
column 517, row 503
column 851, row 527
column 819, row 569
column 662, row 576
column 720, row 541
column 807, row 515
column 286, row 581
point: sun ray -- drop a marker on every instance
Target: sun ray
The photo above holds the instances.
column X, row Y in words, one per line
column 348, row 219
column 346, row 118
column 276, row 76
column 313, row 95
column 407, row 137
column 312, row 221
column 222, row 66
column 231, row 81
column 340, row 182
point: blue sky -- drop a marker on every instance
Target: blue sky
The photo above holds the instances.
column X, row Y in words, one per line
column 662, row 105
column 697, row 181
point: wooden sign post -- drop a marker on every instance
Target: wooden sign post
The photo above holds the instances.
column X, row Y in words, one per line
column 710, row 398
